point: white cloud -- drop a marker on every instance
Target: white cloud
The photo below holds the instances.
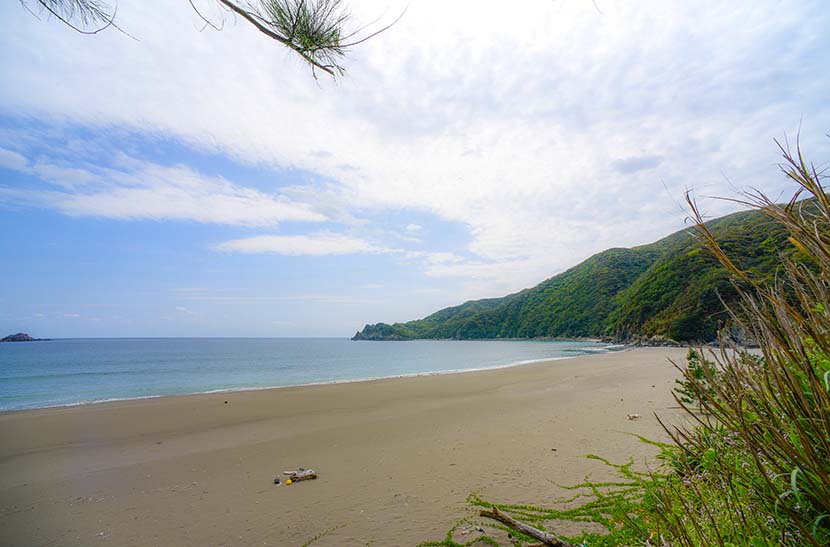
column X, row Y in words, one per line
column 12, row 160
column 414, row 227
column 67, row 177
column 72, row 315
column 316, row 244
column 550, row 132
column 185, row 310
column 145, row 190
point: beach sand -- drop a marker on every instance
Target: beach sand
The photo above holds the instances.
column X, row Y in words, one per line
column 396, row 458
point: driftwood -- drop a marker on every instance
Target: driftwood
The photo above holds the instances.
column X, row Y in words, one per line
column 545, row 537
column 301, row 475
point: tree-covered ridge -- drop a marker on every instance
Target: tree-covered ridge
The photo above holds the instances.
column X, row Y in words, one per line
column 671, row 288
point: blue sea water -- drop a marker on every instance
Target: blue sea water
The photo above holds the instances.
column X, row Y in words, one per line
column 75, row 371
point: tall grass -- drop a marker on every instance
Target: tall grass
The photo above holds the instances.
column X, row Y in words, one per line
column 753, row 467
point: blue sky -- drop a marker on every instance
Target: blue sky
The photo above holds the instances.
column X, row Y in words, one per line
column 203, row 183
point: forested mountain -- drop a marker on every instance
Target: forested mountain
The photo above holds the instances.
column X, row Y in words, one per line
column 671, row 288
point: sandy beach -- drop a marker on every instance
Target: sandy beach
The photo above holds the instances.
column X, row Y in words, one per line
column 396, row 458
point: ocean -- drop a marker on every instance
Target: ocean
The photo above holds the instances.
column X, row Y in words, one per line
column 78, row 371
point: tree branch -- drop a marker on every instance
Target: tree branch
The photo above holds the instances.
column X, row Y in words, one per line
column 90, row 11
column 251, row 18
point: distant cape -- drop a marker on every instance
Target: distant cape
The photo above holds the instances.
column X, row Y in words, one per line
column 656, row 294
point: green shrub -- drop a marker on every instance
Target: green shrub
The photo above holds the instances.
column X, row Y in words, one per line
column 699, row 370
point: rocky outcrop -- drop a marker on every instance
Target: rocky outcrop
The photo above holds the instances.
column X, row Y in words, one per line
column 21, row 337
column 381, row 331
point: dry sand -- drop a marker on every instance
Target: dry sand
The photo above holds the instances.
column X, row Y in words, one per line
column 396, row 458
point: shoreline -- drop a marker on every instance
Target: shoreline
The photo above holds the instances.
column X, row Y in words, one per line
column 611, row 348
column 396, row 457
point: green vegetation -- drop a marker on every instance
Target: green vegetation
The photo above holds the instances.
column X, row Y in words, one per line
column 671, row 288
column 753, row 468
column 698, row 373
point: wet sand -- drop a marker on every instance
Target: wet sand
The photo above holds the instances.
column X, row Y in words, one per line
column 396, row 458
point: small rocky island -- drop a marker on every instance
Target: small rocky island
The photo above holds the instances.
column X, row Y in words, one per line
column 22, row 337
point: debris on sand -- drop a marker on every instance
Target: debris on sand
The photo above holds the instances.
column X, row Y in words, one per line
column 300, row 474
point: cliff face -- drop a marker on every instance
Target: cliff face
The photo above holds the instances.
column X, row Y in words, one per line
column 669, row 289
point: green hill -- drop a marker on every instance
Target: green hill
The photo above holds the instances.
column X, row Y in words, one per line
column 671, row 288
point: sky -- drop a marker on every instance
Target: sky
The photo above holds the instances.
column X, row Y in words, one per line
column 181, row 181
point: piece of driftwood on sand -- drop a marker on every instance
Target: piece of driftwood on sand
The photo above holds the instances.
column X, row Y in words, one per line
column 545, row 537
column 301, row 475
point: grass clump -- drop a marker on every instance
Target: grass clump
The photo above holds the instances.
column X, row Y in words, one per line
column 754, row 469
